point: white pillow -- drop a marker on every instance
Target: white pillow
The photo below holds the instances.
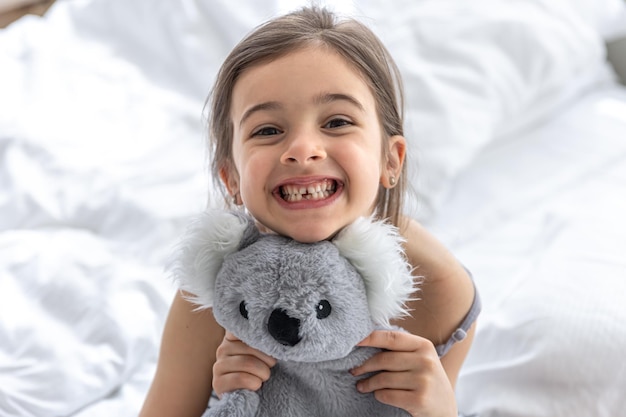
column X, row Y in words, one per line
column 177, row 44
column 607, row 17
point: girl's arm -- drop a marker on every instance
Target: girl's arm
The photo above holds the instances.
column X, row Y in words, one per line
column 182, row 384
column 445, row 297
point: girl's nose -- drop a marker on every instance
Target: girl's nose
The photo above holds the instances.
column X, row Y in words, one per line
column 303, row 149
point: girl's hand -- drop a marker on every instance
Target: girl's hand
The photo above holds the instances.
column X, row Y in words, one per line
column 410, row 375
column 238, row 366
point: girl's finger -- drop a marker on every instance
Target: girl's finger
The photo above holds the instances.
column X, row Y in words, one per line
column 398, row 398
column 242, row 364
column 235, row 347
column 388, row 361
column 403, row 381
column 235, row 381
column 231, row 337
column 393, row 340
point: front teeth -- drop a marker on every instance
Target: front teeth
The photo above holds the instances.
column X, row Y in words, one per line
column 315, row 191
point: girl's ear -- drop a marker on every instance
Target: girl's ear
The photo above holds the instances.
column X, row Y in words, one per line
column 392, row 166
column 230, row 178
column 375, row 249
column 208, row 239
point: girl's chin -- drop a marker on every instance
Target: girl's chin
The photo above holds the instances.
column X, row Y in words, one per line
column 308, row 233
column 310, row 236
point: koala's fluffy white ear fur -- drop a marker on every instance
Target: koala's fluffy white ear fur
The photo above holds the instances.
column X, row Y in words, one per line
column 375, row 250
column 198, row 257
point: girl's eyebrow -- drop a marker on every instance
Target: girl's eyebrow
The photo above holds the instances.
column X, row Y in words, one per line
column 268, row 105
column 325, row 98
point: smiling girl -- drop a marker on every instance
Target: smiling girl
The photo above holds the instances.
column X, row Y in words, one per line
column 307, row 134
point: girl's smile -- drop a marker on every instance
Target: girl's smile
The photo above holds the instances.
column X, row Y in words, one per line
column 305, row 192
column 307, row 144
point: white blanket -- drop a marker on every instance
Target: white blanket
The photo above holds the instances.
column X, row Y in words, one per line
column 518, row 137
column 549, row 255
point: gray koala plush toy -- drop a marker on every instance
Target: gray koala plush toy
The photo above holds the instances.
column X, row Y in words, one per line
column 306, row 304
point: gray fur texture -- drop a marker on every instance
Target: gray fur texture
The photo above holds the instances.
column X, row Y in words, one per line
column 305, row 305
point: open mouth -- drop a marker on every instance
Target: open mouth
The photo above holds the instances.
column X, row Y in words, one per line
column 314, row 191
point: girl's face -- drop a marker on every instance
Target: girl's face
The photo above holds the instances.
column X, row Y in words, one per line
column 307, row 146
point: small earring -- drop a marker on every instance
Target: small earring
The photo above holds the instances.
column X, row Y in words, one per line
column 237, row 199
column 392, row 181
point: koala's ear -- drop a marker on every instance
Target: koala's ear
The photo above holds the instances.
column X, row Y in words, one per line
column 375, row 249
column 250, row 234
column 198, row 257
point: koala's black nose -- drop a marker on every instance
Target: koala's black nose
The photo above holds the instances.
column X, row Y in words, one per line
column 283, row 328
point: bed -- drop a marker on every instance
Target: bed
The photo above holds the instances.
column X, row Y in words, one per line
column 517, row 128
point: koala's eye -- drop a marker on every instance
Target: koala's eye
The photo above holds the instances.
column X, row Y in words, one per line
column 323, row 309
column 243, row 310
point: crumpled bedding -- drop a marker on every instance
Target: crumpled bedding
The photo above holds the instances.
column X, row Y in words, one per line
column 518, row 159
column 548, row 255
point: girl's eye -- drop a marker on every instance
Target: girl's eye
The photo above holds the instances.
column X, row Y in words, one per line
column 267, row 131
column 335, row 123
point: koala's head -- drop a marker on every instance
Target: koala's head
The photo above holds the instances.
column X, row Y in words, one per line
column 305, row 302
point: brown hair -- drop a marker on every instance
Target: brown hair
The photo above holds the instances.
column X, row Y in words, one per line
column 353, row 41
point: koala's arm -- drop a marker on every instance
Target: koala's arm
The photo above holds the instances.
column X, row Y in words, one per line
column 182, row 384
column 445, row 295
column 240, row 403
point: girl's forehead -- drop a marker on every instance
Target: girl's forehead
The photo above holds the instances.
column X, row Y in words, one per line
column 312, row 71
column 305, row 52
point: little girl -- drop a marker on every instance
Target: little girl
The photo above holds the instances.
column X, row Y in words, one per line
column 307, row 134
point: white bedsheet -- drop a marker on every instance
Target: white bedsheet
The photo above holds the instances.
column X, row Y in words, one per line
column 539, row 219
column 102, row 160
